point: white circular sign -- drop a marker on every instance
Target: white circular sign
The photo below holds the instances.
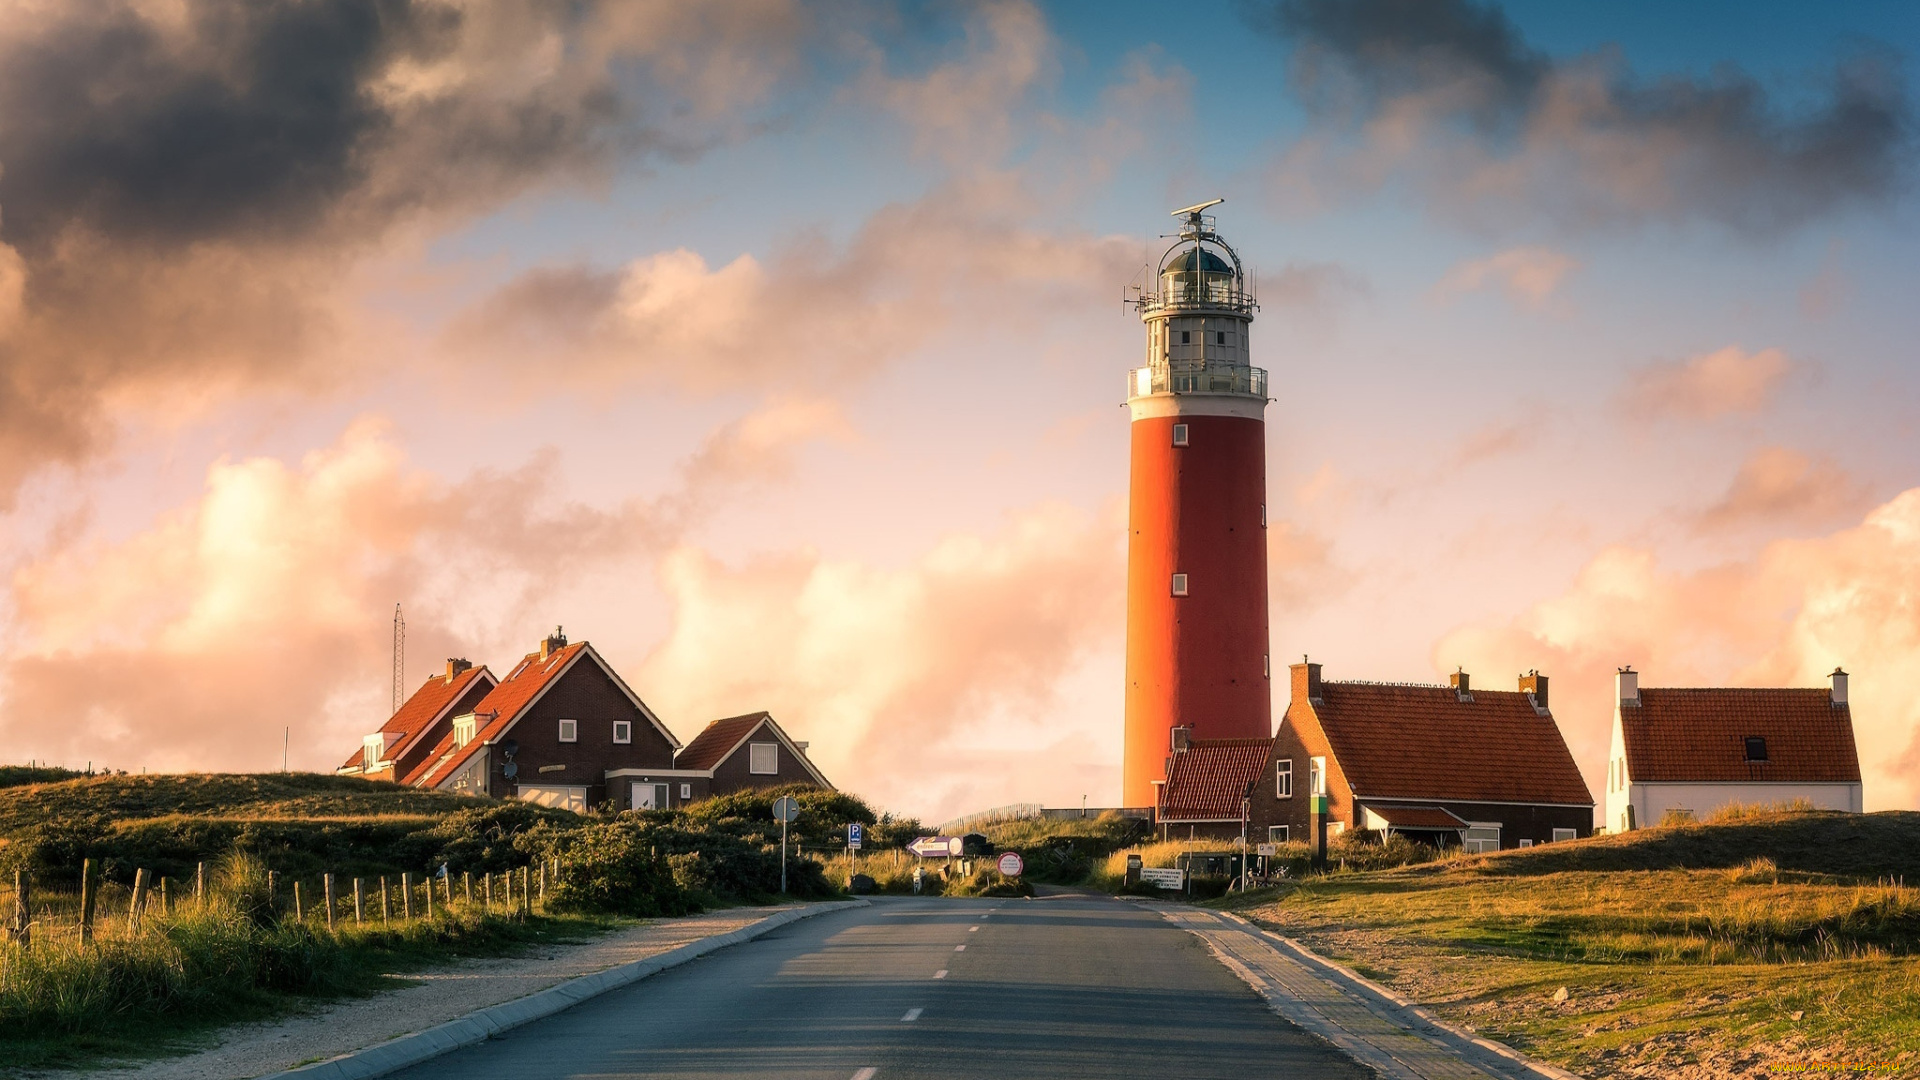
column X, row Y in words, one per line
column 1010, row 864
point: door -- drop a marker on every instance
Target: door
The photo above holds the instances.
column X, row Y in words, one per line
column 649, row 796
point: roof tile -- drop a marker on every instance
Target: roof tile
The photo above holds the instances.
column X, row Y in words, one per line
column 1699, row 734
column 1211, row 777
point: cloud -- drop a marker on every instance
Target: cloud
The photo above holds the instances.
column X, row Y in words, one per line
column 1728, row 380
column 1529, row 274
column 919, row 685
column 962, row 111
column 1778, row 486
column 812, row 310
column 1449, row 94
column 263, row 603
column 1785, row 618
column 184, row 187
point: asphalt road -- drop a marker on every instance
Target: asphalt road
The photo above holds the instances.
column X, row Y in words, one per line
column 1057, row 987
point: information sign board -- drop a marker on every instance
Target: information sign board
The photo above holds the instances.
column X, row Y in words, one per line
column 1166, row 877
column 855, row 833
column 1011, row 864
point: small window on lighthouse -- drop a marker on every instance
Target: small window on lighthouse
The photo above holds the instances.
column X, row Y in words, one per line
column 1186, row 337
column 1220, row 337
column 1179, row 434
column 1179, row 584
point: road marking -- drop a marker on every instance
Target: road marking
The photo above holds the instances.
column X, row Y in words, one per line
column 865, row 1074
column 941, row 974
column 912, row 1014
column 959, row 948
column 973, row 929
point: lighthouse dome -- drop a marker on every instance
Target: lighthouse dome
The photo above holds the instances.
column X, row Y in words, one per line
column 1183, row 262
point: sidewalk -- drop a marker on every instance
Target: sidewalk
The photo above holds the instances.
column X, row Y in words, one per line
column 439, row 995
column 1397, row 1039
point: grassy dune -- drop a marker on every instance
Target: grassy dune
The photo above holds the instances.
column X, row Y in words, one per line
column 1691, row 951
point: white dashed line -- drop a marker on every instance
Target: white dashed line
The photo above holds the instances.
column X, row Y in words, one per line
column 941, row 974
column 959, row 948
column 865, row 1074
column 973, row 929
column 912, row 1014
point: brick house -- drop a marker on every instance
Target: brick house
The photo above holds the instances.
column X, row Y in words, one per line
column 1686, row 752
column 551, row 732
column 1443, row 764
column 1205, row 794
column 402, row 748
column 750, row 751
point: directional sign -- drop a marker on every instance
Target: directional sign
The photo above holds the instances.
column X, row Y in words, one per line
column 785, row 808
column 935, row 847
column 1010, row 864
column 1267, row 849
column 855, row 833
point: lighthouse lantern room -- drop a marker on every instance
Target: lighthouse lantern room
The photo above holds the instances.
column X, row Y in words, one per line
column 1197, row 654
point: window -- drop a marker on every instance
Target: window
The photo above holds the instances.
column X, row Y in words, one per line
column 463, row 729
column 1220, row 337
column 1186, row 337
column 569, row 731
column 623, row 731
column 1317, row 776
column 1283, row 778
column 1335, row 828
column 1276, row 834
column 1481, row 836
column 686, row 792
column 763, row 759
column 1524, row 842
column 1564, row 834
column 1179, row 584
column 1179, row 434
column 1756, row 748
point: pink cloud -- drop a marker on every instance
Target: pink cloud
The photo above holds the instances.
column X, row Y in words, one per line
column 1729, row 380
column 1776, row 485
column 1528, row 275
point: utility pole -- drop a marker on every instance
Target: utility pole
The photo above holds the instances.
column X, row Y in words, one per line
column 286, row 742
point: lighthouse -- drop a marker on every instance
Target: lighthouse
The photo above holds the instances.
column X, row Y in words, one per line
column 1197, row 655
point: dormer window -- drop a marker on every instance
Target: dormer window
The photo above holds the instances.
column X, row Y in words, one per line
column 463, row 729
column 1756, row 748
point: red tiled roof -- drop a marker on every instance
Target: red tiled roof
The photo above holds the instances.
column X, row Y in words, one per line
column 1417, row 817
column 416, row 716
column 1424, row 742
column 504, row 703
column 1678, row 734
column 1211, row 777
column 720, row 739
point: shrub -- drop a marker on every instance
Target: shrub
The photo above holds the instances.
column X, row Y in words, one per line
column 610, row 868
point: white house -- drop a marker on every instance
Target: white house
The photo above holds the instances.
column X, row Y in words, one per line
column 1688, row 752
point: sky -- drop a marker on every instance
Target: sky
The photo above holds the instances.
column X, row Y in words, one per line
column 777, row 349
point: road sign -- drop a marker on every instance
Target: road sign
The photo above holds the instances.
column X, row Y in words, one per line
column 785, row 808
column 1267, row 849
column 1166, row 877
column 1011, row 864
column 855, row 833
column 935, row 847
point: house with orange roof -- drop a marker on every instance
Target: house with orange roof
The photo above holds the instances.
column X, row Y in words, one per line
column 551, row 732
column 1485, row 769
column 734, row 754
column 403, row 744
column 1206, row 793
column 1683, row 753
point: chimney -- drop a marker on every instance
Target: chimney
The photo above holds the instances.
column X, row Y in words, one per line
column 554, row 643
column 1839, row 688
column 1306, row 681
column 456, row 665
column 1462, row 684
column 1535, row 684
column 1626, row 685
column 1182, row 739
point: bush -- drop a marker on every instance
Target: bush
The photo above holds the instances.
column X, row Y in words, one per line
column 610, row 868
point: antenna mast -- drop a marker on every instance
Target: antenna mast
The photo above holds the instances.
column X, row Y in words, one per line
column 399, row 656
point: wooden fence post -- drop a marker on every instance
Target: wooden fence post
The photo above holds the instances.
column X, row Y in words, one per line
column 386, row 907
column 299, row 909
column 506, row 882
column 446, row 885
column 356, row 902
column 137, row 902
column 526, row 893
column 429, row 884
column 166, row 900
column 486, row 897
column 406, row 896
column 273, row 890
column 89, row 894
column 543, row 882
column 22, row 929
column 200, row 884
column 326, row 883
column 466, row 885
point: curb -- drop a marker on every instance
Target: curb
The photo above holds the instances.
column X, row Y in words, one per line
column 482, row 1024
column 1475, row 1048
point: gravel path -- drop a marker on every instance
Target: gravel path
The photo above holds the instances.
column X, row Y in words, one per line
column 440, row 995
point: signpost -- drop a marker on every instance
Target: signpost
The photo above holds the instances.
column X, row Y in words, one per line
column 935, row 847
column 1011, row 864
column 785, row 809
column 1165, row 877
column 855, row 833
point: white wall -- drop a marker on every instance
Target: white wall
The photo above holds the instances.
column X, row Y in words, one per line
column 1652, row 801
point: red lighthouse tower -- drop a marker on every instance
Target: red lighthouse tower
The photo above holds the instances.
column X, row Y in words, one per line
column 1197, row 515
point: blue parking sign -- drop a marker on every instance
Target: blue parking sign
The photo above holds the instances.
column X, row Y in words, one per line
column 854, row 834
